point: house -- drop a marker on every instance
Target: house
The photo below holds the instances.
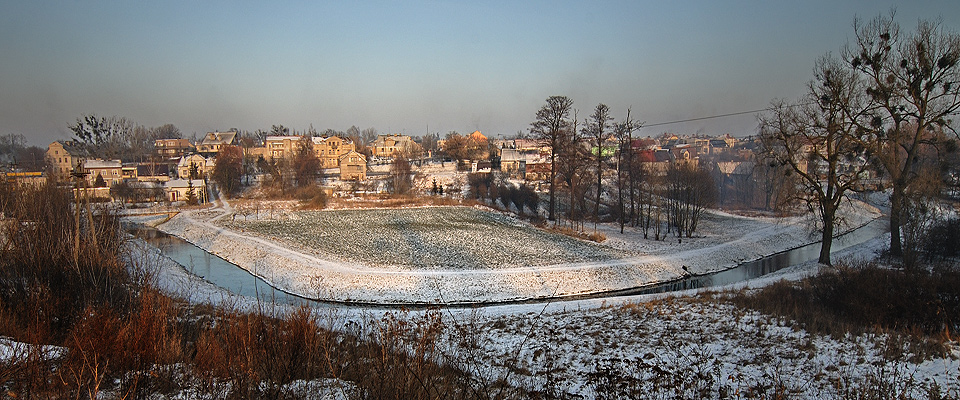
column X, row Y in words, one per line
column 63, row 156
column 109, row 171
column 277, row 147
column 180, row 189
column 536, row 166
column 330, row 150
column 172, row 148
column 655, row 161
column 392, row 145
column 128, row 172
column 187, row 163
column 152, row 172
column 513, row 162
column 212, row 142
column 353, row 166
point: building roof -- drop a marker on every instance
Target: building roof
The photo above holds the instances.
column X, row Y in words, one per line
column 320, row 140
column 186, row 160
column 72, row 147
column 219, row 138
column 281, row 138
column 476, row 135
column 511, row 155
column 353, row 152
column 153, row 170
column 101, row 164
column 183, row 183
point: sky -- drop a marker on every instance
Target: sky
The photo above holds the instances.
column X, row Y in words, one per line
column 415, row 67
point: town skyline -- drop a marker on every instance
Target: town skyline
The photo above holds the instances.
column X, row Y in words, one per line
column 415, row 68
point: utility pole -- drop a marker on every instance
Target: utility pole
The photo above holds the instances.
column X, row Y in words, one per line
column 79, row 175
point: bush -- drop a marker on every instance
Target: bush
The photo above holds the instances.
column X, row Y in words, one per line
column 942, row 240
column 857, row 298
column 312, row 197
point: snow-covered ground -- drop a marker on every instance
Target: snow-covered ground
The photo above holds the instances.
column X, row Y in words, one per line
column 664, row 345
column 294, row 265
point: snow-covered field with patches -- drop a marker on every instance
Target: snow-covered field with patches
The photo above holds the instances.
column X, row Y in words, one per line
column 654, row 344
column 457, row 255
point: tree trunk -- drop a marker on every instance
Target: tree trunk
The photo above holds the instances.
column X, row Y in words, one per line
column 826, row 242
column 896, row 207
column 553, row 184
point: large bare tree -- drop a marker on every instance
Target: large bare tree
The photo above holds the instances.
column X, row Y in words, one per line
column 597, row 129
column 913, row 82
column 551, row 128
column 306, row 165
column 818, row 140
column 229, row 169
column 623, row 131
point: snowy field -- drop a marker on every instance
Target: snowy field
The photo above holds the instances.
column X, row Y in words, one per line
column 455, row 255
column 655, row 344
column 426, row 238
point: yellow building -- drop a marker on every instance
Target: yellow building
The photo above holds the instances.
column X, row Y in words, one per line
column 328, row 150
column 353, row 166
column 63, row 156
column 393, row 145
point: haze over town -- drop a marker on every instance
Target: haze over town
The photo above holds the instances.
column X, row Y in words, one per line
column 451, row 200
column 413, row 68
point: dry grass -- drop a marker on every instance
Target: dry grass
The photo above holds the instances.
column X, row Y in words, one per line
column 863, row 297
column 114, row 336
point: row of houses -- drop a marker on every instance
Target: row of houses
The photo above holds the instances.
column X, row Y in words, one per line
column 530, row 158
column 67, row 160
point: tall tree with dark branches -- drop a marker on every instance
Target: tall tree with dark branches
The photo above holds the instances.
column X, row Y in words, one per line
column 623, row 131
column 598, row 130
column 229, row 169
column 817, row 139
column 306, row 165
column 913, row 82
column 551, row 128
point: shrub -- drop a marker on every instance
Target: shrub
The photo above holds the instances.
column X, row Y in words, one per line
column 857, row 298
column 942, row 239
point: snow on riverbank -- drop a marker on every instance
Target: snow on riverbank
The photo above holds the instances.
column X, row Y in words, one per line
column 724, row 241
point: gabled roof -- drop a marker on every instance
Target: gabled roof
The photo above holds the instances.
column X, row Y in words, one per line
column 352, row 152
column 186, row 160
column 321, row 140
column 476, row 135
column 219, row 138
column 73, row 148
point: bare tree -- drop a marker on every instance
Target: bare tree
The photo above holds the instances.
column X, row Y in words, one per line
column 690, row 190
column 912, row 82
column 818, row 140
column 597, row 130
column 167, row 131
column 229, row 169
column 279, row 130
column 104, row 137
column 551, row 128
column 401, row 178
column 306, row 165
column 623, row 131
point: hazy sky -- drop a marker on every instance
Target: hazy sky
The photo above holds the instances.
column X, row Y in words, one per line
column 410, row 66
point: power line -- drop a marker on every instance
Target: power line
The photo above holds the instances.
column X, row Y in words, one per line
column 703, row 118
column 723, row 115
